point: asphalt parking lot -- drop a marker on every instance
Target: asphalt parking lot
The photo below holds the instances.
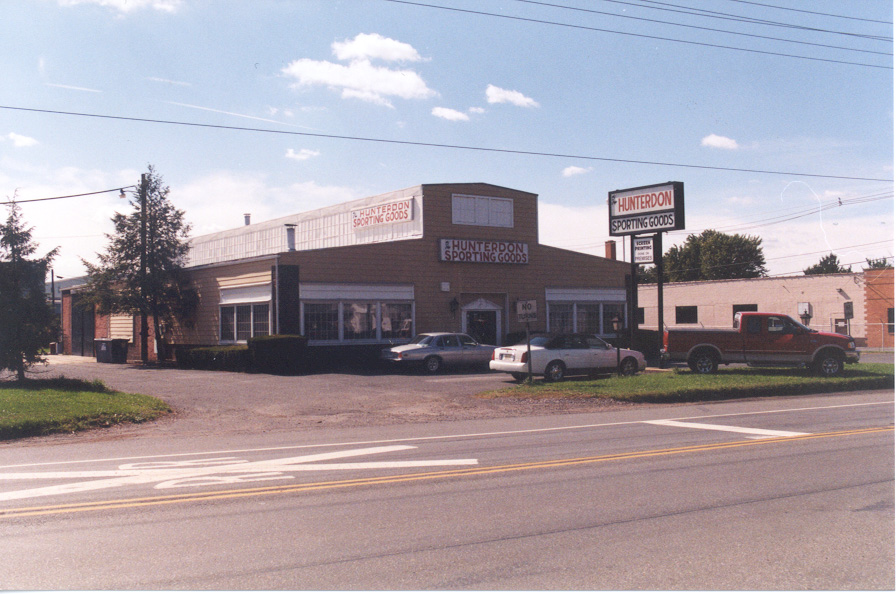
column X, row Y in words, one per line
column 217, row 402
column 208, row 402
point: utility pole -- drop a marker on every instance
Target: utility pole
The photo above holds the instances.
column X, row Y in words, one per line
column 144, row 323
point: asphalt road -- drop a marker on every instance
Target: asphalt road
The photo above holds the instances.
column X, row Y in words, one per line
column 773, row 493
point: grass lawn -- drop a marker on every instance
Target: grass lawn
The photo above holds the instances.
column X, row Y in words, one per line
column 686, row 386
column 40, row 407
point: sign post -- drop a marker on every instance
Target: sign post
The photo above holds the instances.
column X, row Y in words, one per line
column 648, row 210
column 527, row 311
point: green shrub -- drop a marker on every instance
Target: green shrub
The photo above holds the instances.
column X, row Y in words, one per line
column 216, row 358
column 282, row 354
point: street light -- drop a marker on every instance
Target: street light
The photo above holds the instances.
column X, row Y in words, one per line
column 616, row 327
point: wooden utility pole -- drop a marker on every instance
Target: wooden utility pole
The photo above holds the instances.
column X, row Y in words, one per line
column 144, row 322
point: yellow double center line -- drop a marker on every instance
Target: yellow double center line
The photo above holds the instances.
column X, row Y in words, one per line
column 403, row 478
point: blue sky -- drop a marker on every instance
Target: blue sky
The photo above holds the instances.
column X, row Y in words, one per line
column 600, row 98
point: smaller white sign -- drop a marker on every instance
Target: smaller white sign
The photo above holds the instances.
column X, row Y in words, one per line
column 644, row 250
column 388, row 213
column 526, row 311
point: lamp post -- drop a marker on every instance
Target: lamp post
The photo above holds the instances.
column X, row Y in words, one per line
column 616, row 323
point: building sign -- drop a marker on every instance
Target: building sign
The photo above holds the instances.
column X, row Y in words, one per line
column 643, row 250
column 647, row 209
column 491, row 252
column 387, row 213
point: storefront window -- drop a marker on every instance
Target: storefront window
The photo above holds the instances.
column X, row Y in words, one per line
column 397, row 320
column 242, row 322
column 261, row 319
column 588, row 318
column 560, row 318
column 227, row 328
column 359, row 321
column 322, row 321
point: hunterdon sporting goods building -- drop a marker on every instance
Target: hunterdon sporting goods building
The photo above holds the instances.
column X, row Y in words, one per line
column 375, row 271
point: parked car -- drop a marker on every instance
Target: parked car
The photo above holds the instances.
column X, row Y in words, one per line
column 555, row 356
column 435, row 350
column 761, row 339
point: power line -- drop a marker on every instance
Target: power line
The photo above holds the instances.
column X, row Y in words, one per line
column 755, row 36
column 766, row 222
column 836, row 16
column 743, row 19
column 118, row 189
column 440, row 145
column 640, row 35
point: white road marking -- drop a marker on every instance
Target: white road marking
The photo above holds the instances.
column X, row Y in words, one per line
column 439, row 437
column 169, row 474
column 756, row 433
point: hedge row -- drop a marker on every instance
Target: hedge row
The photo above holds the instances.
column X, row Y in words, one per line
column 279, row 354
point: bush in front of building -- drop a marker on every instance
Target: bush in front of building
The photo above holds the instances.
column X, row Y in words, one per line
column 215, row 358
column 281, row 354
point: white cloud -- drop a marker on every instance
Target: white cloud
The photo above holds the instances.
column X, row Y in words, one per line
column 21, row 141
column 450, row 114
column 360, row 79
column 476, row 110
column 129, row 5
column 495, row 94
column 716, row 141
column 573, row 170
column 366, row 46
column 302, row 155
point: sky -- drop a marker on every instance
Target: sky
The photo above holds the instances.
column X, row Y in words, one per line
column 780, row 129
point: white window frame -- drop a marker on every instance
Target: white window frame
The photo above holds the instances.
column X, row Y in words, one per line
column 481, row 211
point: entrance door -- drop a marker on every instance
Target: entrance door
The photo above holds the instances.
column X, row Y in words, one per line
column 82, row 328
column 482, row 325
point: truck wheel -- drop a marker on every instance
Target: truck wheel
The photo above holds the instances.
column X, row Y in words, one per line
column 703, row 362
column 828, row 364
column 628, row 366
column 555, row 371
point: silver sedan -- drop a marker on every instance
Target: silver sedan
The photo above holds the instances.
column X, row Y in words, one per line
column 435, row 350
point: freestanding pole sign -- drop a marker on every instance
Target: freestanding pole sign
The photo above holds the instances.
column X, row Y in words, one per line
column 527, row 311
column 641, row 211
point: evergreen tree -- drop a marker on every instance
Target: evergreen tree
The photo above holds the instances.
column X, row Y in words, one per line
column 141, row 271
column 830, row 264
column 27, row 321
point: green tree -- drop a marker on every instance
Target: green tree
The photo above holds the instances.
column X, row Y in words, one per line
column 141, row 271
column 829, row 264
column 711, row 256
column 27, row 321
column 878, row 264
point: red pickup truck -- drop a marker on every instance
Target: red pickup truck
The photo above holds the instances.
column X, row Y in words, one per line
column 760, row 339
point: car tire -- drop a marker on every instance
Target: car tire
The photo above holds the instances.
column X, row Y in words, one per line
column 519, row 376
column 703, row 362
column 628, row 367
column 555, row 371
column 828, row 364
column 432, row 364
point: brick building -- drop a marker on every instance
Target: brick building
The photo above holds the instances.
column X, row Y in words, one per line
column 374, row 271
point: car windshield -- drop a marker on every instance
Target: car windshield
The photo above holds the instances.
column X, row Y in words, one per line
column 422, row 339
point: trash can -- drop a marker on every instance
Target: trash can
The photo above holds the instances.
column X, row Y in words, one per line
column 111, row 350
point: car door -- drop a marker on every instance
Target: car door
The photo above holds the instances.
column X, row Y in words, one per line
column 577, row 354
column 472, row 351
column 603, row 355
column 450, row 349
